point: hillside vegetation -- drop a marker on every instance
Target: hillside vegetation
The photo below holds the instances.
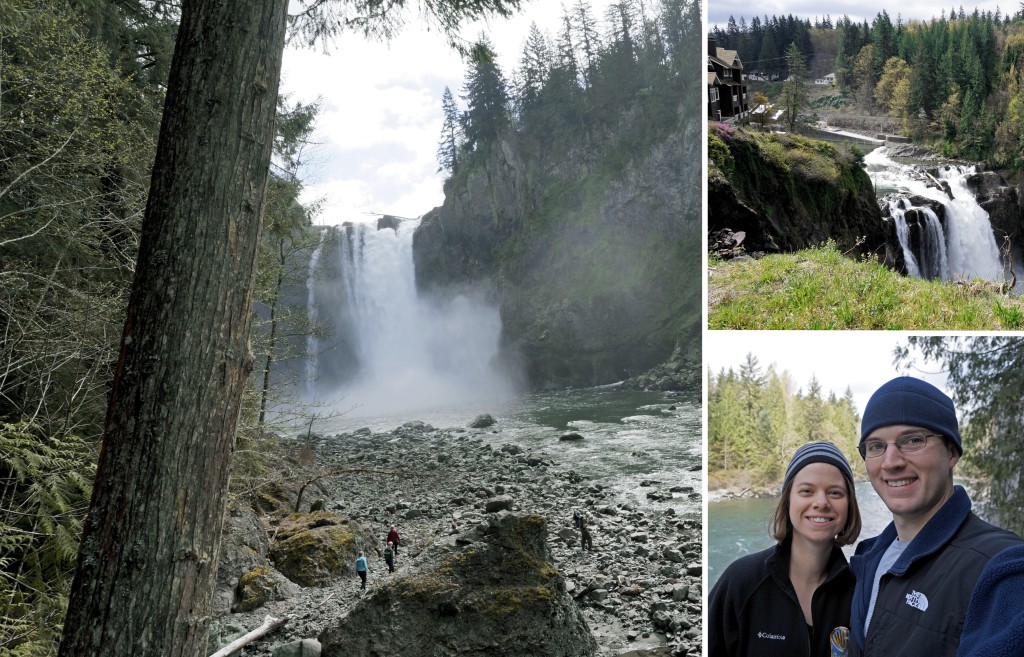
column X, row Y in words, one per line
column 787, row 192
column 953, row 81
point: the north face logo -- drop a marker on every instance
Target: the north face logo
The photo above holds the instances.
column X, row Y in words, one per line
column 917, row 600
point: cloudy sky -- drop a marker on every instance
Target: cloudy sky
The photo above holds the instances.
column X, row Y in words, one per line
column 861, row 360
column 718, row 12
column 380, row 122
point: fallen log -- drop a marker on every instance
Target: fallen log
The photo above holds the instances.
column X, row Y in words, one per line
column 269, row 625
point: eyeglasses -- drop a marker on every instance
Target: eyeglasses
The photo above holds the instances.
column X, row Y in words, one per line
column 906, row 444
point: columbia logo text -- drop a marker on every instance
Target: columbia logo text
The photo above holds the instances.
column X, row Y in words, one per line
column 766, row 635
column 917, row 600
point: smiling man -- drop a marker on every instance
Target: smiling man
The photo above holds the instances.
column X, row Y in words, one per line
column 915, row 579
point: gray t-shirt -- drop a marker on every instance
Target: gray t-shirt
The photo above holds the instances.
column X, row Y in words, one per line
column 891, row 556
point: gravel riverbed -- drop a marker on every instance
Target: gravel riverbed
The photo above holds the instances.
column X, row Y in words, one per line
column 639, row 589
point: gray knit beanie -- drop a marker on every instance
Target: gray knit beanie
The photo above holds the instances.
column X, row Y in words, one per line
column 818, row 452
column 906, row 400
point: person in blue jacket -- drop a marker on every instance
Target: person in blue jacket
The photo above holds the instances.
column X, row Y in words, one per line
column 994, row 625
column 361, row 569
column 793, row 600
column 914, row 580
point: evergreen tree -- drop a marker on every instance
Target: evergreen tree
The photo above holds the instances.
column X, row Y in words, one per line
column 986, row 376
column 534, row 69
column 814, row 411
column 750, row 383
column 587, row 39
column 451, row 133
column 883, row 37
column 794, row 91
column 769, row 57
column 486, row 97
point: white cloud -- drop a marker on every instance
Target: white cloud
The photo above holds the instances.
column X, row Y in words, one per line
column 860, row 360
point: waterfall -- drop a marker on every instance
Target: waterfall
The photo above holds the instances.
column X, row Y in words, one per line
column 929, row 259
column 965, row 247
column 312, row 316
column 972, row 246
column 389, row 348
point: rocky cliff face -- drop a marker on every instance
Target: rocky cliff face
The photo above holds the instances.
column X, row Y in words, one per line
column 594, row 257
column 1002, row 202
column 493, row 593
column 787, row 192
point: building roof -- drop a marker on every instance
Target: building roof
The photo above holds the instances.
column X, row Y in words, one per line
column 713, row 78
column 714, row 60
column 729, row 58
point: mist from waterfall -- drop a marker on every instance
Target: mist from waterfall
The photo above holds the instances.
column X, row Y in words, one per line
column 391, row 350
column 969, row 244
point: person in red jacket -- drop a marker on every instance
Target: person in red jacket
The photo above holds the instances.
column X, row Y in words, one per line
column 393, row 538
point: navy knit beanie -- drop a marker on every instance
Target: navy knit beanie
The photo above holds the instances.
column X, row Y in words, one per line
column 819, row 452
column 906, row 400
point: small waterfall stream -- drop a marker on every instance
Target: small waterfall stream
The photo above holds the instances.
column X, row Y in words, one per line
column 930, row 261
column 963, row 247
column 389, row 348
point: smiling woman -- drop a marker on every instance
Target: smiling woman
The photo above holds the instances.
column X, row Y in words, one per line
column 794, row 598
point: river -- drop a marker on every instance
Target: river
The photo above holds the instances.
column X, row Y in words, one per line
column 634, row 442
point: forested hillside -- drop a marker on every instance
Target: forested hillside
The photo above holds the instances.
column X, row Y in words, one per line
column 954, row 80
column 758, row 417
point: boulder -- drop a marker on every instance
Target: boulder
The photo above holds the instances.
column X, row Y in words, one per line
column 303, row 648
column 482, row 421
column 571, row 436
column 261, row 585
column 312, row 549
column 244, row 547
column 499, row 503
column 495, row 596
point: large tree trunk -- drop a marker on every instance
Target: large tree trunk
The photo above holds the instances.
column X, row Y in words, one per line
column 150, row 544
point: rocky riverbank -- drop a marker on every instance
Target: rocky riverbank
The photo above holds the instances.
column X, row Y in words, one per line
column 639, row 591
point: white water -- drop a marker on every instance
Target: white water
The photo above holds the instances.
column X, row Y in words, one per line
column 969, row 244
column 933, row 261
column 312, row 316
column 408, row 352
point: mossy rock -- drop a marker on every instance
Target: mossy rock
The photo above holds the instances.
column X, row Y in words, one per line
column 313, row 549
column 497, row 596
column 273, row 497
column 255, row 589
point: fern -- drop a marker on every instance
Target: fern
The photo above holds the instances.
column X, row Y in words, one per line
column 45, row 485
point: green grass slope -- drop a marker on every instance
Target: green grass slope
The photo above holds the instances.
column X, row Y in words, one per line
column 821, row 288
